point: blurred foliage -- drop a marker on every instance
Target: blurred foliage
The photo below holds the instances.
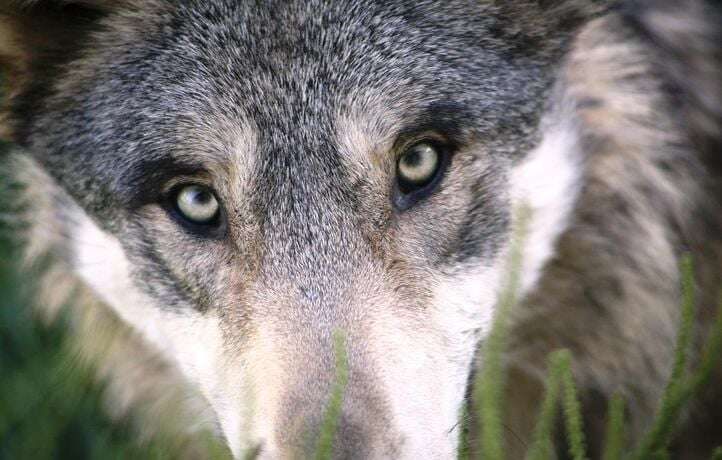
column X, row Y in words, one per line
column 50, row 404
column 561, row 391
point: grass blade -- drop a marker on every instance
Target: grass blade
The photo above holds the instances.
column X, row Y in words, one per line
column 542, row 447
column 489, row 384
column 572, row 409
column 613, row 441
column 464, row 447
column 709, row 361
column 324, row 447
column 664, row 421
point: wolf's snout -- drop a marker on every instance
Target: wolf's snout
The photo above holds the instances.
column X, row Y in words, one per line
column 359, row 426
column 388, row 408
column 301, row 434
column 323, row 326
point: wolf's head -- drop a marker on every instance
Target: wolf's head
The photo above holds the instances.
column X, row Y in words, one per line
column 242, row 179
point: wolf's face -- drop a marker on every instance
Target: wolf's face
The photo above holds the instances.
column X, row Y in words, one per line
column 246, row 178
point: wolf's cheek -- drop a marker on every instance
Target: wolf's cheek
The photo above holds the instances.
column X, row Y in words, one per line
column 190, row 339
column 547, row 182
column 426, row 372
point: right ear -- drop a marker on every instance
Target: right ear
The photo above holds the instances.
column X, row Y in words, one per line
column 540, row 21
column 37, row 37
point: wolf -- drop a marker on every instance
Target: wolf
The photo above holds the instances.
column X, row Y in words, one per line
column 224, row 185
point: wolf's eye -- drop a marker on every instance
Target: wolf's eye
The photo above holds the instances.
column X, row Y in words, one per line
column 418, row 172
column 418, row 165
column 197, row 204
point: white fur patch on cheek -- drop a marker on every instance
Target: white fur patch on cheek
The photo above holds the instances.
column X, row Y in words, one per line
column 548, row 181
column 464, row 309
column 189, row 339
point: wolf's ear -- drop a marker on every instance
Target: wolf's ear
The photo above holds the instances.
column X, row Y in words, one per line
column 37, row 37
column 542, row 25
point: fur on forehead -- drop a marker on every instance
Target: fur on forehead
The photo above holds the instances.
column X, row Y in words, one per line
column 38, row 38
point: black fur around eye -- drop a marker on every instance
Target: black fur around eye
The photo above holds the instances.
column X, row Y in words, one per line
column 418, row 172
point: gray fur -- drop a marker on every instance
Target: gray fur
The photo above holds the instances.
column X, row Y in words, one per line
column 258, row 99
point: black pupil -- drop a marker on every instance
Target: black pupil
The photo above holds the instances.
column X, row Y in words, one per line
column 413, row 158
column 202, row 197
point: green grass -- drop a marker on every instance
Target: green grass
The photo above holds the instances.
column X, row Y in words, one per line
column 542, row 446
column 717, row 454
column 614, row 438
column 50, row 404
column 489, row 385
column 560, row 390
column 324, row 447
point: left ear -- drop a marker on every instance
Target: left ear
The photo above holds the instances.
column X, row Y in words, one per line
column 37, row 37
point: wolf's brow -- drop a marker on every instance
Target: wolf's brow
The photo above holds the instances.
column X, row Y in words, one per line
column 146, row 179
column 448, row 118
